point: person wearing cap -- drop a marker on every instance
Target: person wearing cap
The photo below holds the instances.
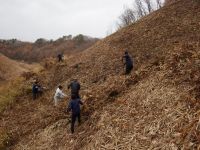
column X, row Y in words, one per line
column 75, row 87
column 58, row 95
column 74, row 106
column 128, row 62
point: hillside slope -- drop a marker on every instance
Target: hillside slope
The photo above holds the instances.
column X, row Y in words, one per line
column 156, row 107
column 10, row 69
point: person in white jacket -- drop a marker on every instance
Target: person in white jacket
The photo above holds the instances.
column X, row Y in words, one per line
column 59, row 95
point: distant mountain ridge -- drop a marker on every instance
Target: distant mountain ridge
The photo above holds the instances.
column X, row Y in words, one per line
column 42, row 48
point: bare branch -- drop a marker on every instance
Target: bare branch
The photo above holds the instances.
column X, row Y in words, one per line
column 127, row 18
column 140, row 8
column 159, row 4
column 149, row 6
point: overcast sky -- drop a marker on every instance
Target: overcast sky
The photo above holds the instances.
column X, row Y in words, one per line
column 31, row 19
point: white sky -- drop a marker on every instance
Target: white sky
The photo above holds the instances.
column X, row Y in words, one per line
column 32, row 19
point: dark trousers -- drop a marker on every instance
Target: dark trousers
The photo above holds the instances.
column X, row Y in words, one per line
column 60, row 59
column 74, row 116
column 34, row 96
column 129, row 68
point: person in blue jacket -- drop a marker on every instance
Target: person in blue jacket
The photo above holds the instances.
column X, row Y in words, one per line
column 128, row 62
column 74, row 107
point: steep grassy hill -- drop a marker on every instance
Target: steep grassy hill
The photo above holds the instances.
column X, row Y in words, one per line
column 156, row 107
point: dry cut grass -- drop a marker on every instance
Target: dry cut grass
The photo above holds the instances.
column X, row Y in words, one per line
column 8, row 93
column 10, row 90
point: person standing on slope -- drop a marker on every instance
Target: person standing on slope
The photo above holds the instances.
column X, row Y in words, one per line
column 35, row 89
column 74, row 106
column 128, row 62
column 75, row 87
column 58, row 95
column 60, row 57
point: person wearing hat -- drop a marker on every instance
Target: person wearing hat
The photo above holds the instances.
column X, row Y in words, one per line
column 128, row 62
column 58, row 95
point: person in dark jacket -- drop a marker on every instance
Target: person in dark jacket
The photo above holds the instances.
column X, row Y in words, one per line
column 74, row 106
column 128, row 62
column 60, row 57
column 35, row 90
column 75, row 87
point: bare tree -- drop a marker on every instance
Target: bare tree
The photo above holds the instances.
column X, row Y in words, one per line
column 141, row 8
column 149, row 6
column 159, row 4
column 141, row 12
column 127, row 17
